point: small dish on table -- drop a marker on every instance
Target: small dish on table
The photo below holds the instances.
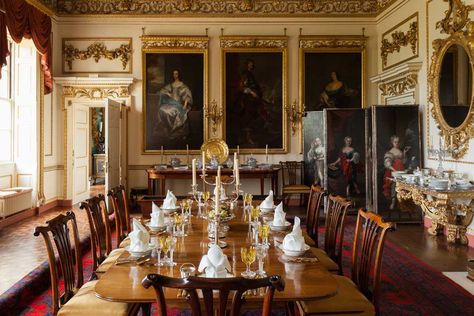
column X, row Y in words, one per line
column 279, row 227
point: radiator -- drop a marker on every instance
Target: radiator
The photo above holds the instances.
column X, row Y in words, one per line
column 14, row 200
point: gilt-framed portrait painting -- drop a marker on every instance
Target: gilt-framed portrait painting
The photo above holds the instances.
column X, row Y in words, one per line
column 254, row 93
column 175, row 80
column 332, row 72
column 396, row 147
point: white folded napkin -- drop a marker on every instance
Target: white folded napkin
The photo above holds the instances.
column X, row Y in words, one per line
column 139, row 237
column 279, row 216
column 223, row 196
column 170, row 201
column 295, row 239
column 268, row 202
column 215, row 263
column 157, row 216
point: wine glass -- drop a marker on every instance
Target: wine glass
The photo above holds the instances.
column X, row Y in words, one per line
column 179, row 222
column 171, row 241
column 187, row 269
column 189, row 207
column 262, row 252
column 158, row 251
column 165, row 246
column 248, row 257
column 263, row 232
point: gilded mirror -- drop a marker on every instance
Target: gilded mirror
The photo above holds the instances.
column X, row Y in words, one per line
column 450, row 79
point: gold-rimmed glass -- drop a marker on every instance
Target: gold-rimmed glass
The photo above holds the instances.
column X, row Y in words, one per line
column 248, row 256
column 165, row 246
column 263, row 233
column 179, row 224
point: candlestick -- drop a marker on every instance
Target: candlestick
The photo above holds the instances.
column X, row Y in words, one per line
column 203, row 161
column 266, row 153
column 161, row 155
column 238, row 150
column 236, row 170
column 187, row 155
column 218, row 193
column 194, row 172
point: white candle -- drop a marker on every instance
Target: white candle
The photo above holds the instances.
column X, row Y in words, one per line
column 236, row 168
column 235, row 156
column 218, row 192
column 266, row 149
column 161, row 154
column 238, row 150
column 194, row 172
column 219, row 172
column 203, row 161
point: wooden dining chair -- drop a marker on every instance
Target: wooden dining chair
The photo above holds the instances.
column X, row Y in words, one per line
column 237, row 286
column 101, row 237
column 73, row 297
column 316, row 196
column 358, row 295
column 120, row 206
column 331, row 254
column 292, row 179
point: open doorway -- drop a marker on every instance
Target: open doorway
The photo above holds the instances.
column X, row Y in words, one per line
column 97, row 159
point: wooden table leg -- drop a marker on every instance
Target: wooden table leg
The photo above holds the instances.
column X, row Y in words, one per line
column 163, row 184
column 150, row 186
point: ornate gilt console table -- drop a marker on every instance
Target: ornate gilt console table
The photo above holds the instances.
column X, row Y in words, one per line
column 453, row 208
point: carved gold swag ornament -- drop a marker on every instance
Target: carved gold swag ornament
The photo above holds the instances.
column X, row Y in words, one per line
column 97, row 51
column 399, row 87
column 399, row 40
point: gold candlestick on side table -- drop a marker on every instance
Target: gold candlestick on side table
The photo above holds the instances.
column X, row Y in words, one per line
column 451, row 208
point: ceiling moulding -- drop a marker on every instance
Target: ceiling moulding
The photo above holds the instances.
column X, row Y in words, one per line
column 226, row 8
column 46, row 6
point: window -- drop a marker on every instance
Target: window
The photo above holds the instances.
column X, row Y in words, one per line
column 6, row 113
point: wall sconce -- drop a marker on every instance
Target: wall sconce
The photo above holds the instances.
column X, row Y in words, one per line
column 215, row 114
column 295, row 115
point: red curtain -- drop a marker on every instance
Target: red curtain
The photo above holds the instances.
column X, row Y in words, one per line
column 25, row 21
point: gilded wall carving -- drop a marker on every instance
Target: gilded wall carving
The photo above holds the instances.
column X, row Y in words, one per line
column 400, row 39
column 399, row 87
column 254, row 43
column 97, row 51
column 332, row 43
column 150, row 42
column 95, row 93
column 217, row 7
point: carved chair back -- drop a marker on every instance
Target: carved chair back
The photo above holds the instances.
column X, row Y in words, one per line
column 101, row 239
column 57, row 236
column 292, row 172
column 208, row 286
column 335, row 222
column 118, row 197
column 369, row 240
column 316, row 196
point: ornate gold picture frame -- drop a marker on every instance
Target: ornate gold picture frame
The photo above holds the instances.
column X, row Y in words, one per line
column 175, row 93
column 324, row 60
column 254, row 92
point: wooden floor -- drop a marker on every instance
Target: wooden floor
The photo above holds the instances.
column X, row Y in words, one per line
column 21, row 252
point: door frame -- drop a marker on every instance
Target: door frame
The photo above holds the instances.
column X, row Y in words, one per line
column 94, row 92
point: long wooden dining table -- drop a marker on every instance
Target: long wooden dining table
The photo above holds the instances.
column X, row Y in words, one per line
column 303, row 281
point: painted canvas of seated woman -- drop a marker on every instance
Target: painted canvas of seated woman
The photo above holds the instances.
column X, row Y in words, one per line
column 336, row 94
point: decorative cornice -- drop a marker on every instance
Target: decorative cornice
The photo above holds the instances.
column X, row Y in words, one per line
column 400, row 39
column 309, row 42
column 97, row 51
column 174, row 42
column 230, row 8
column 399, row 87
column 256, row 42
column 48, row 7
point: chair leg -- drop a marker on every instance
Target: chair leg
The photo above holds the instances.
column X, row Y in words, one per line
column 146, row 309
column 290, row 308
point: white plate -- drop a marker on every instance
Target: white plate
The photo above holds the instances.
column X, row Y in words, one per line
column 279, row 228
column 170, row 210
column 157, row 228
column 295, row 253
column 139, row 253
column 228, row 275
column 267, row 209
